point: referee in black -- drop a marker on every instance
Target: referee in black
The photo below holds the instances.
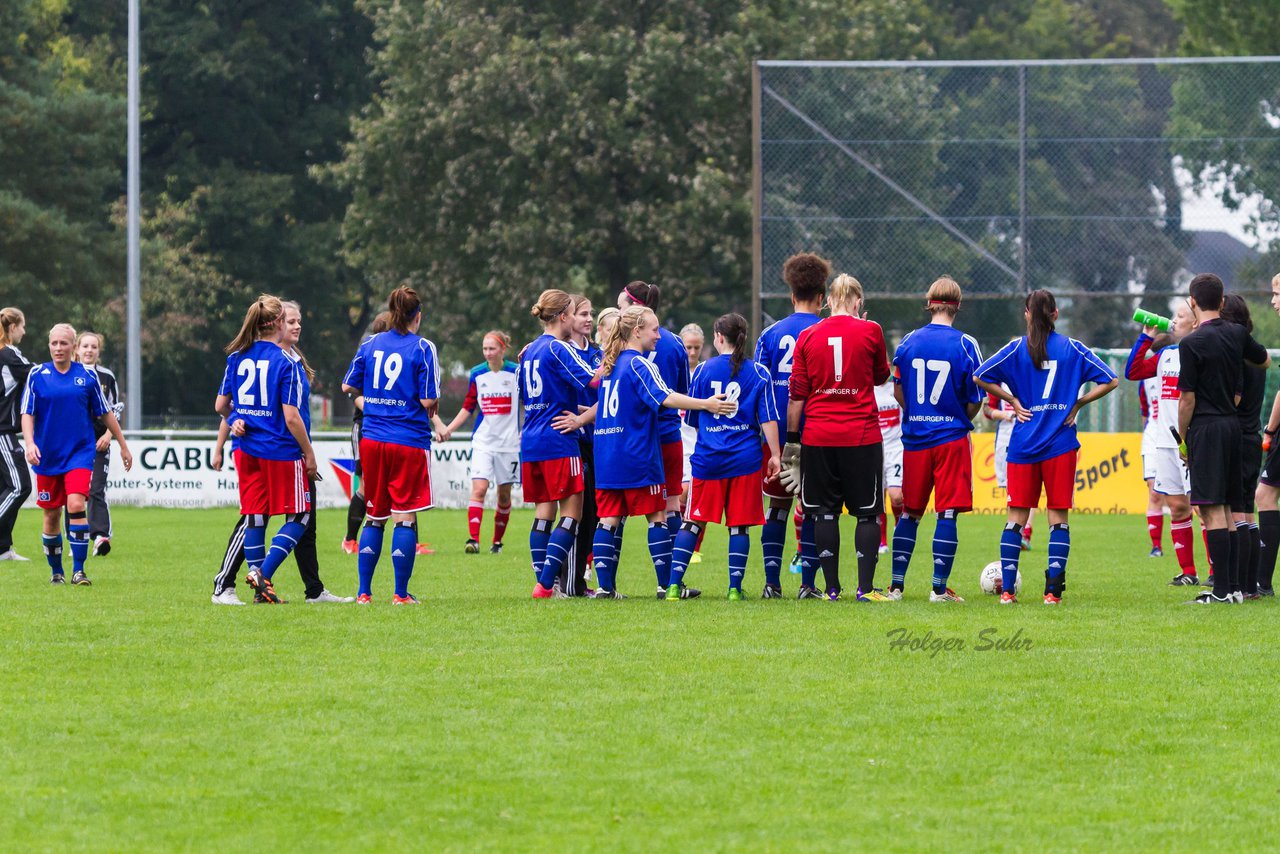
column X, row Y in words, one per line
column 1211, row 379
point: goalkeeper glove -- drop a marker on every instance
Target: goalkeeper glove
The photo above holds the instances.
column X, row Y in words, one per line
column 790, row 474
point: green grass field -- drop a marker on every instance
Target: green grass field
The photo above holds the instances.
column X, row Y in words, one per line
column 138, row 716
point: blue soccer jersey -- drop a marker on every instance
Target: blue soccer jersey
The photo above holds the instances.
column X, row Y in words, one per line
column 551, row 376
column 729, row 445
column 304, row 393
column 775, row 351
column 628, row 452
column 64, row 406
column 261, row 381
column 1049, row 390
column 935, row 365
column 593, row 356
column 673, row 366
column 395, row 371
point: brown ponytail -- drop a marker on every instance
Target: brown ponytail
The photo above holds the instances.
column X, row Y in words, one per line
column 9, row 318
column 404, row 305
column 733, row 327
column 629, row 321
column 259, row 320
column 1040, row 308
column 551, row 304
column 643, row 294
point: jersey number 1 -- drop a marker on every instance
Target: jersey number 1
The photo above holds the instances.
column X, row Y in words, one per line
column 394, row 365
column 921, row 367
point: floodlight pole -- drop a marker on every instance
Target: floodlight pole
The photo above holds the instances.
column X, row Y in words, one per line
column 133, row 334
column 757, row 203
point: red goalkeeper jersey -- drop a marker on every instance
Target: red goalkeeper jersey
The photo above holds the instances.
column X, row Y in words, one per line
column 838, row 364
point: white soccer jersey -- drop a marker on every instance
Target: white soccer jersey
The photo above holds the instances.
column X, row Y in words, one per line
column 1165, row 404
column 890, row 412
column 492, row 396
column 1151, row 387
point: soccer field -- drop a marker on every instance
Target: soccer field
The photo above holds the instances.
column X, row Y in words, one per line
column 138, row 716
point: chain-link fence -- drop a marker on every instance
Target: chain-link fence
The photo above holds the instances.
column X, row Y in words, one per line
column 1075, row 176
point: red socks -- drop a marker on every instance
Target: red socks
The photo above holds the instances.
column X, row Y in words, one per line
column 1183, row 545
column 1155, row 527
column 475, row 514
column 500, row 518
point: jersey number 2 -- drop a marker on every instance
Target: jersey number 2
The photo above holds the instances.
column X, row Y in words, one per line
column 251, row 371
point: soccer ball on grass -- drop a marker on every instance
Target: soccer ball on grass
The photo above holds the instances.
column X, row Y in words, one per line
column 991, row 579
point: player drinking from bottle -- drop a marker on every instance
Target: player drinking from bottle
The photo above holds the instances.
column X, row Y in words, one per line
column 551, row 377
column 1045, row 369
column 630, row 477
column 933, row 380
column 1169, row 472
column 395, row 377
column 837, row 462
column 61, row 400
column 726, row 459
column 806, row 275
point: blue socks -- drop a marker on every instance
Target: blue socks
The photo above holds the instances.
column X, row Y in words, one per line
column 53, row 552
column 78, row 534
column 538, row 537
column 682, row 551
column 945, row 540
column 562, row 539
column 1055, row 578
column 739, row 549
column 255, row 541
column 1010, row 551
column 772, row 537
column 808, row 553
column 366, row 561
column 404, row 548
column 660, row 551
column 605, row 559
column 282, row 544
column 904, row 545
column 674, row 520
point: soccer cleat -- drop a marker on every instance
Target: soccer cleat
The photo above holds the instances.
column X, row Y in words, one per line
column 540, row 592
column 810, row 593
column 832, row 595
column 364, row 599
column 1208, row 598
column 684, row 592
column 424, row 549
column 894, row 594
column 227, row 596
column 326, row 596
column 1026, row 544
column 673, row 593
column 472, row 547
column 771, row 591
column 1266, row 591
column 736, row 594
column 1238, row 595
column 350, row 547
column 1050, row 599
column 495, row 549
column 407, row 599
column 1250, row 597
column 259, row 599
column 1186, row 579
column 884, row 549
column 1156, row 552
column 57, row 578
column 80, row 579
column 872, row 595
column 947, row 595
column 797, row 564
column 1007, row 598
column 12, row 555
column 608, row 594
column 557, row 592
column 263, row 587
column 101, row 546
column 696, row 557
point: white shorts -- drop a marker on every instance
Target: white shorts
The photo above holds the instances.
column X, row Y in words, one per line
column 1002, row 464
column 1149, row 464
column 689, row 441
column 497, row 467
column 1171, row 473
column 893, row 464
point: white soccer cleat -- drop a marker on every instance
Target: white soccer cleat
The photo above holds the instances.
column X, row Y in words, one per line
column 947, row 596
column 227, row 597
column 326, row 596
column 12, row 555
column 101, row 546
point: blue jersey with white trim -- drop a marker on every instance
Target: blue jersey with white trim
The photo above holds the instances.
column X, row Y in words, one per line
column 729, row 445
column 672, row 361
column 588, row 396
column 551, row 376
column 775, row 352
column 261, row 381
column 1049, row 390
column 934, row 365
column 304, row 397
column 395, row 371
column 627, row 444
column 64, row 406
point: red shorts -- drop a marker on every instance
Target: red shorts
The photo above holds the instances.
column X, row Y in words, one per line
column 944, row 470
column 271, row 487
column 772, row 488
column 734, row 499
column 52, row 489
column 1056, row 474
column 638, row 501
column 673, row 466
column 551, row 480
column 397, row 478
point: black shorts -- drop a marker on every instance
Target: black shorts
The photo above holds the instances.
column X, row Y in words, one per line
column 1270, row 474
column 1213, row 460
column 1250, row 470
column 832, row 479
